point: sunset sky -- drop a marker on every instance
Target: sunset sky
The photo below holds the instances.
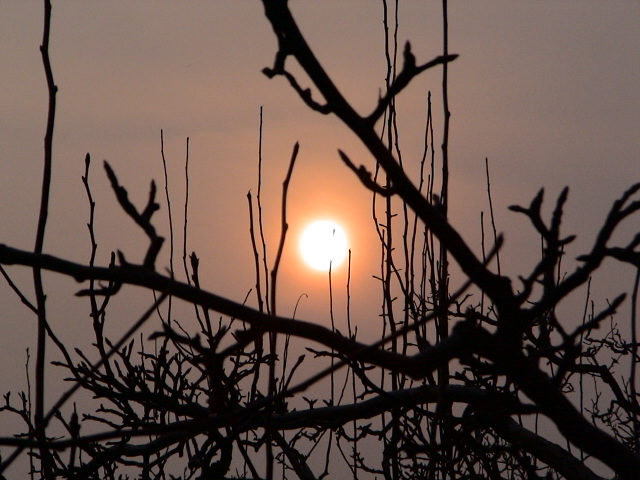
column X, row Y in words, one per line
column 548, row 91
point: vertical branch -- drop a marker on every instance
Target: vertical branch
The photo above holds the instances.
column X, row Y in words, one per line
column 259, row 344
column 383, row 233
column 29, row 405
column 493, row 220
column 284, row 226
column 205, row 326
column 273, row 338
column 352, row 334
column 634, row 353
column 443, row 408
column 194, row 276
column 388, row 247
column 419, row 286
column 585, row 314
column 427, row 260
column 393, row 143
column 348, row 307
column 171, row 240
column 333, row 328
column 186, row 215
column 430, row 238
column 256, row 255
column 39, row 243
column 389, row 461
column 443, row 273
column 484, row 257
column 97, row 311
column 444, row 194
column 263, row 302
column 260, row 228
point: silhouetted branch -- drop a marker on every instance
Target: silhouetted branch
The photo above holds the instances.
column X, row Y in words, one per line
column 261, row 322
column 17, row 291
column 43, row 325
column 142, row 219
column 291, row 42
column 365, row 177
column 591, row 261
column 544, row 450
column 204, row 395
column 543, row 392
column 409, row 71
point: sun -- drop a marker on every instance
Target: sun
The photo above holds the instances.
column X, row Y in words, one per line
column 323, row 243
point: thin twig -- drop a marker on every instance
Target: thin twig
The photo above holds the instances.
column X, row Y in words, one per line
column 170, row 217
column 634, row 351
column 492, row 216
column 80, row 381
column 260, row 225
column 186, row 214
column 273, row 337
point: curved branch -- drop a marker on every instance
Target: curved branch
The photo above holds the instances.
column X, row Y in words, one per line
column 416, row 367
column 142, row 219
column 541, row 389
column 548, row 452
column 619, row 211
column 292, row 43
column 408, row 73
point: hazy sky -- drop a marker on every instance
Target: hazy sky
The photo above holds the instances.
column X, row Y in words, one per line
column 548, row 91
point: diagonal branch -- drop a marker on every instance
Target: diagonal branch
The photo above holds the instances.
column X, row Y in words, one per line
column 409, row 71
column 291, row 42
column 537, row 385
column 260, row 321
column 142, row 219
column 544, row 450
column 620, row 211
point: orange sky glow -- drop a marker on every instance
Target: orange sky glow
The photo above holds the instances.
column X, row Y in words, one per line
column 547, row 91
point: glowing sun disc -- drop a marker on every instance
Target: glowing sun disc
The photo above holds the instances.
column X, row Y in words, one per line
column 323, row 243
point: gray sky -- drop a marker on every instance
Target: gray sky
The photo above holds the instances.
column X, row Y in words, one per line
column 548, row 91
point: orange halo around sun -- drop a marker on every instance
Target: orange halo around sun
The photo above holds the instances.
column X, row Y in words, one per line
column 323, row 243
